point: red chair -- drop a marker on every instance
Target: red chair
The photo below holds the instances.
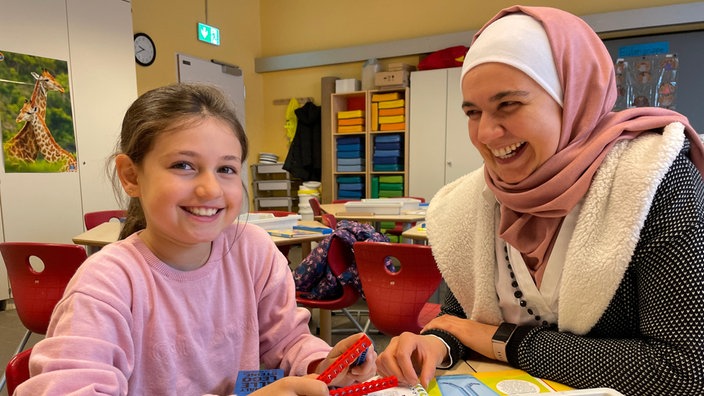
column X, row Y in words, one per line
column 37, row 290
column 398, row 301
column 94, row 219
column 315, row 205
column 17, row 370
column 340, row 257
column 329, row 220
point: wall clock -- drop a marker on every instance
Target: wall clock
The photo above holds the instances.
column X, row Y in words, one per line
column 144, row 49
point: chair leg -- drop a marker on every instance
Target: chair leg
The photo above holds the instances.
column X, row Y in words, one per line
column 325, row 322
column 353, row 320
column 20, row 348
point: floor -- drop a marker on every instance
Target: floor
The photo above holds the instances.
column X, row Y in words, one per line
column 12, row 331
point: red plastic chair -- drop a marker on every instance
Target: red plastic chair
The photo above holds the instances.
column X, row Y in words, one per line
column 329, row 220
column 315, row 205
column 398, row 301
column 340, row 257
column 36, row 291
column 94, row 219
column 17, row 370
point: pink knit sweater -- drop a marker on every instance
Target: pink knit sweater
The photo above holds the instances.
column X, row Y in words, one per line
column 130, row 324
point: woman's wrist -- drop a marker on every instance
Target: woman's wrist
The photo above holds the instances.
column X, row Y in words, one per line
column 456, row 350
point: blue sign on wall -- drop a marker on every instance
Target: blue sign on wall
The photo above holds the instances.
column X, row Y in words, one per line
column 661, row 47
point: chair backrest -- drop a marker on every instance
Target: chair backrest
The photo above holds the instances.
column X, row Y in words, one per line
column 36, row 291
column 315, row 205
column 339, row 257
column 329, row 220
column 93, row 219
column 396, row 299
column 17, row 370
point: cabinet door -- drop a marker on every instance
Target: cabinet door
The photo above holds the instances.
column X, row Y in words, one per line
column 427, row 132
column 461, row 157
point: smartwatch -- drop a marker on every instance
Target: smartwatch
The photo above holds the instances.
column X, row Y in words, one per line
column 500, row 339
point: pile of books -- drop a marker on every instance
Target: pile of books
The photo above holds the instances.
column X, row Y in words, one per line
column 387, row 186
column 350, row 187
column 388, row 111
column 388, row 153
column 350, row 121
column 350, row 154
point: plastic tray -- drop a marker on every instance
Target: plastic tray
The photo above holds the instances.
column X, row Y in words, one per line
column 268, row 221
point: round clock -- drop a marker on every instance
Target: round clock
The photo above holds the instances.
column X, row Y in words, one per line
column 144, row 49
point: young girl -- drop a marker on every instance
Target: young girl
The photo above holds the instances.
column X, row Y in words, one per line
column 189, row 297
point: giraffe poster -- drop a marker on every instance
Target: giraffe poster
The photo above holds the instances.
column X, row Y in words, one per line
column 35, row 115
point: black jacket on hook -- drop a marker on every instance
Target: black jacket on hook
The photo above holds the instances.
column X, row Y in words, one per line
column 303, row 159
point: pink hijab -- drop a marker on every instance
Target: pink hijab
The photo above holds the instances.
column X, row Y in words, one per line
column 532, row 210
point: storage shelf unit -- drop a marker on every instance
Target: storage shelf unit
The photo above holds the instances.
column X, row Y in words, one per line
column 370, row 147
column 274, row 188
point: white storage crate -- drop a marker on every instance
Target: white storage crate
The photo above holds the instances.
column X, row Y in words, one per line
column 270, row 222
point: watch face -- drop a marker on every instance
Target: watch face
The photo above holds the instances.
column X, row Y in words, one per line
column 144, row 49
column 504, row 332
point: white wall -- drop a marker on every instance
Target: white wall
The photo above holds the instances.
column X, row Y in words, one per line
column 95, row 38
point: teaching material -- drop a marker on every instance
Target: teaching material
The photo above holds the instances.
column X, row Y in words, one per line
column 292, row 233
column 320, row 230
column 249, row 381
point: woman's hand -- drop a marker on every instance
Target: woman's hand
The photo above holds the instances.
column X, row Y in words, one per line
column 294, row 386
column 410, row 354
column 477, row 336
column 350, row 375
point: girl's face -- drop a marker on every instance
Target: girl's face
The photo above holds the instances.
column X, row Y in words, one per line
column 190, row 187
column 513, row 122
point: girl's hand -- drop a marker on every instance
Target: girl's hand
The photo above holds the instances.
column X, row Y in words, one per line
column 350, row 375
column 294, row 386
column 410, row 354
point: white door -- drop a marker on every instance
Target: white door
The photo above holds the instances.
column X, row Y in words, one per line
column 461, row 157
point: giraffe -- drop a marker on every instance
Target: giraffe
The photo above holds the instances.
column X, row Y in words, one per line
column 23, row 146
column 51, row 150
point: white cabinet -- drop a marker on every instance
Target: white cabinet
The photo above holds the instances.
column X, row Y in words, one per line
column 95, row 38
column 440, row 149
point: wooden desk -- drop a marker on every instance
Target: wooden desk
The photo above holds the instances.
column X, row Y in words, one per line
column 108, row 232
column 416, row 234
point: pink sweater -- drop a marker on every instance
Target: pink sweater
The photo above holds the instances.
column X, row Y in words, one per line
column 130, row 324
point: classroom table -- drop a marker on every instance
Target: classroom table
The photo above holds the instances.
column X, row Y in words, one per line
column 417, row 234
column 108, row 232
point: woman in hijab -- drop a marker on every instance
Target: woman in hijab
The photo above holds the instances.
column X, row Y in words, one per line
column 577, row 252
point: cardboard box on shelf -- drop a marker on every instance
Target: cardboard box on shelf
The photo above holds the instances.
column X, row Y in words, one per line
column 397, row 78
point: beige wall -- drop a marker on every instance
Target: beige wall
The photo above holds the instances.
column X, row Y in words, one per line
column 252, row 29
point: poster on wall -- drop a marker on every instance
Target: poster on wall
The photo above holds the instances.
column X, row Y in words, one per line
column 35, row 115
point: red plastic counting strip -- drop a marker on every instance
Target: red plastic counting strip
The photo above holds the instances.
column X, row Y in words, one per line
column 345, row 360
column 366, row 387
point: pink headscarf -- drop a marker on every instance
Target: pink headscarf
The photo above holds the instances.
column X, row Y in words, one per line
column 532, row 210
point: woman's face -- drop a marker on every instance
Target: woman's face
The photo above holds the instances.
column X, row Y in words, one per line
column 513, row 122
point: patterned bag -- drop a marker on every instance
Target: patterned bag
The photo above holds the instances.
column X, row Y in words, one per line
column 313, row 276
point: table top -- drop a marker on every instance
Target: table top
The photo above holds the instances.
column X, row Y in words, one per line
column 108, row 232
column 338, row 209
column 416, row 233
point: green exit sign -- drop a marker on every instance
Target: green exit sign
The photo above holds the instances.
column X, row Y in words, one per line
column 208, row 34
